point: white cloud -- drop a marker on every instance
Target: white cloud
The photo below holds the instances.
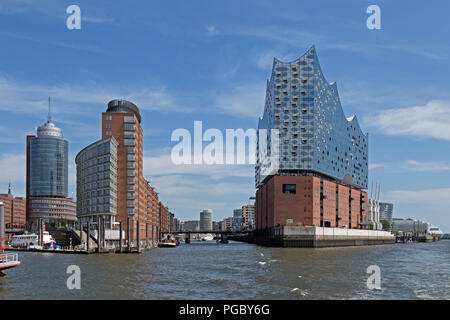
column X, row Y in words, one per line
column 373, row 166
column 23, row 97
column 431, row 120
column 244, row 100
column 162, row 165
column 427, row 166
column 431, row 196
column 12, row 168
column 211, row 30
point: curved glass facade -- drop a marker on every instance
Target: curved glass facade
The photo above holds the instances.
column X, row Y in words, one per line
column 48, row 166
column 314, row 133
column 97, row 180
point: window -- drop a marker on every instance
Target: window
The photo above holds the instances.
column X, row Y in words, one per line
column 128, row 142
column 128, row 119
column 131, row 157
column 289, row 188
column 130, row 173
column 130, row 203
column 129, row 127
column 128, row 134
column 131, row 150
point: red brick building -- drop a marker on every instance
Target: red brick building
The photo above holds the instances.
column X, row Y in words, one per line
column 310, row 200
column 15, row 212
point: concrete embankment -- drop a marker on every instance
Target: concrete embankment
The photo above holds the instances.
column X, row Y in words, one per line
column 317, row 237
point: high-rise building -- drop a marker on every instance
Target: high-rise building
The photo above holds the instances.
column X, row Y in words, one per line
column 15, row 212
column 206, row 220
column 312, row 165
column 97, row 184
column 386, row 211
column 248, row 216
column 121, row 193
column 47, row 178
column 237, row 220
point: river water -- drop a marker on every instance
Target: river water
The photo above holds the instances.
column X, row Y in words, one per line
column 206, row 270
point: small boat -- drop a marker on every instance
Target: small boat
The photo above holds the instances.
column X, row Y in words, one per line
column 168, row 243
column 31, row 240
column 7, row 260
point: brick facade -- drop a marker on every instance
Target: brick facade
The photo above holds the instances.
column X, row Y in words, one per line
column 275, row 207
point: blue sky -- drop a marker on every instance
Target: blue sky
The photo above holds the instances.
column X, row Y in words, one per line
column 181, row 61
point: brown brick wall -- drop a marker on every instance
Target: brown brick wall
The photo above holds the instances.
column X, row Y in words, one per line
column 273, row 207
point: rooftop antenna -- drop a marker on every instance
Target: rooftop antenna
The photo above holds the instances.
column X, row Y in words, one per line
column 49, row 119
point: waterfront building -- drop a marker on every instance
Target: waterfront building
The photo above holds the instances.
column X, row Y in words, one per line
column 122, row 193
column 14, row 212
column 227, row 224
column 237, row 220
column 248, row 216
column 206, row 220
column 373, row 220
column 387, row 212
column 97, row 185
column 47, row 178
column 322, row 155
column 191, row 225
column 410, row 225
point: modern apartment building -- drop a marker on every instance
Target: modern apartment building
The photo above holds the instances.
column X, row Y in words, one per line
column 110, row 181
column 47, row 178
column 312, row 165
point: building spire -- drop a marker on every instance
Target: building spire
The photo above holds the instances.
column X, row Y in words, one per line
column 9, row 190
column 49, row 119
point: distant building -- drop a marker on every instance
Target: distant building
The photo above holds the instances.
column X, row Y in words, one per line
column 410, row 225
column 47, row 178
column 191, row 225
column 15, row 212
column 206, row 220
column 387, row 212
column 227, row 224
column 237, row 220
column 248, row 216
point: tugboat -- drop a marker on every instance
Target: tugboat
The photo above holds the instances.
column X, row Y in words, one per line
column 7, row 260
column 168, row 243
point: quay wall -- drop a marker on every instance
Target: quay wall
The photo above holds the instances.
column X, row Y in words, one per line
column 317, row 237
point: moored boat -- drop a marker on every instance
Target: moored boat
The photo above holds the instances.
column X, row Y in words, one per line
column 32, row 239
column 167, row 243
column 7, row 260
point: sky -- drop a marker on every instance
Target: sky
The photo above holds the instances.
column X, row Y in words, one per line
column 182, row 61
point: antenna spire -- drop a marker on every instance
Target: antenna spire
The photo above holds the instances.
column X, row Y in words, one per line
column 49, row 118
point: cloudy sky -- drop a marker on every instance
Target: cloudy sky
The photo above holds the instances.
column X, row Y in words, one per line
column 182, row 61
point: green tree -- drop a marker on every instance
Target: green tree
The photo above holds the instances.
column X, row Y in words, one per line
column 386, row 225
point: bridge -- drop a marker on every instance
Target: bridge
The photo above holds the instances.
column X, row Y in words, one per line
column 223, row 234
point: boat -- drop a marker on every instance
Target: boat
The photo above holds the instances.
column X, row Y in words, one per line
column 7, row 260
column 435, row 232
column 168, row 243
column 32, row 240
column 207, row 237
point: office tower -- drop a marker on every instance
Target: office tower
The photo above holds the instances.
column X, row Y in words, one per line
column 386, row 212
column 321, row 156
column 237, row 220
column 47, row 178
column 206, row 220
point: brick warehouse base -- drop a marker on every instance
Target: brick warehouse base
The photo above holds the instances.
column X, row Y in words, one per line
column 309, row 199
column 317, row 237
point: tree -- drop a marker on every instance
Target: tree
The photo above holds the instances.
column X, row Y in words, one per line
column 386, row 225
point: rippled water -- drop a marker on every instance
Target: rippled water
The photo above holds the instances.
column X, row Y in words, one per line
column 238, row 271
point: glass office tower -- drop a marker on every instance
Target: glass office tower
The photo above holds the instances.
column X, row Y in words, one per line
column 47, row 179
